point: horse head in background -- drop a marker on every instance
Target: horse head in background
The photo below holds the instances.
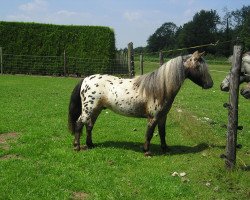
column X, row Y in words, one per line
column 245, row 91
column 148, row 96
column 244, row 76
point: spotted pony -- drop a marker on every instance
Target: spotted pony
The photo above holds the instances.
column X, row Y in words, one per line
column 148, row 96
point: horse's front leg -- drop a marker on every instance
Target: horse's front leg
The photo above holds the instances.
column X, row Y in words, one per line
column 149, row 134
column 162, row 133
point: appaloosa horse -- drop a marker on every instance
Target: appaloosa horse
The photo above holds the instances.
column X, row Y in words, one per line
column 244, row 76
column 148, row 96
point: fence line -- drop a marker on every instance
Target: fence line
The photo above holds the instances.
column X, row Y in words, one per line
column 71, row 65
column 62, row 65
column 186, row 48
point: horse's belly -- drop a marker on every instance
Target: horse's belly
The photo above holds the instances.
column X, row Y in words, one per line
column 131, row 109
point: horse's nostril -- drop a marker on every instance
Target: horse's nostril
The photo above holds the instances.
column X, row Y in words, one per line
column 208, row 85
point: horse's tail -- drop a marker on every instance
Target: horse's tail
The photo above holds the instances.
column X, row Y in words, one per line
column 75, row 107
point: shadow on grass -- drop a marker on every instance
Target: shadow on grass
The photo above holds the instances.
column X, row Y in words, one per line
column 156, row 149
column 245, row 168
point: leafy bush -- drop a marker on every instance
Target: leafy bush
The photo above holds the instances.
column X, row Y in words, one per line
column 89, row 49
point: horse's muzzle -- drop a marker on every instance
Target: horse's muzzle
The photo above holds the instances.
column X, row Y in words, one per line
column 208, row 85
column 224, row 88
column 245, row 93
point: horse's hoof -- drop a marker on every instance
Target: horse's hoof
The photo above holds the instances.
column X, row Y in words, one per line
column 77, row 148
column 84, row 147
column 165, row 149
column 90, row 146
column 74, row 143
column 148, row 154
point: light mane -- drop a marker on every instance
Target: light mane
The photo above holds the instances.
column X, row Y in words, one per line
column 163, row 82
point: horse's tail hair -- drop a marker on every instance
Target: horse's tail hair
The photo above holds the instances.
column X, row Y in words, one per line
column 75, row 107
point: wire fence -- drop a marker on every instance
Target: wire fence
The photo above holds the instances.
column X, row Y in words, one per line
column 61, row 65
column 122, row 64
column 75, row 66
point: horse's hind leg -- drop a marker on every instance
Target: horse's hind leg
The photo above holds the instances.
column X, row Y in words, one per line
column 78, row 132
column 89, row 128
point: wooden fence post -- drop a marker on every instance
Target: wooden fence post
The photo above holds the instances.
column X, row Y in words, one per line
column 124, row 60
column 131, row 66
column 141, row 63
column 1, row 59
column 161, row 58
column 64, row 63
column 233, row 108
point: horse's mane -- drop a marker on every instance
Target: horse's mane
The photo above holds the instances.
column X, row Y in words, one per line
column 163, row 82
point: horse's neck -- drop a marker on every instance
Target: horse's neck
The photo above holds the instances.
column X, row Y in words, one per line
column 175, row 75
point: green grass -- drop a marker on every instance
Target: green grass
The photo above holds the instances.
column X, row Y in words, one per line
column 46, row 167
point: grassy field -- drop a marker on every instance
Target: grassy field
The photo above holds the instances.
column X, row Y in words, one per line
column 37, row 160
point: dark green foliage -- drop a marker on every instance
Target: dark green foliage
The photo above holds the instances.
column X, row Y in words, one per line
column 206, row 27
column 89, row 49
column 163, row 38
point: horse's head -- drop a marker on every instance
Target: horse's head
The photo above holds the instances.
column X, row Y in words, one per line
column 244, row 75
column 196, row 70
column 224, row 86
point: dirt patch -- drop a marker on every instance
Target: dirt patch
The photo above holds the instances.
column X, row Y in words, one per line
column 5, row 138
column 10, row 156
column 80, row 196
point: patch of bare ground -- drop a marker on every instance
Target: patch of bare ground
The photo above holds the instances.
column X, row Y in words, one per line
column 10, row 156
column 6, row 138
column 79, row 196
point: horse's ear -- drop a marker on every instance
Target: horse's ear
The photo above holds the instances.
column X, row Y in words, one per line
column 202, row 53
column 195, row 54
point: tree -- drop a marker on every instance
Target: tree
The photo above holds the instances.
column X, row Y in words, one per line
column 201, row 30
column 205, row 28
column 241, row 20
column 245, row 33
column 163, row 38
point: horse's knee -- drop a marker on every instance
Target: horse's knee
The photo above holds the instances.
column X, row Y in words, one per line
column 152, row 123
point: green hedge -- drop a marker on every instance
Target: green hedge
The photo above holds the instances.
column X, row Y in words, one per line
column 93, row 44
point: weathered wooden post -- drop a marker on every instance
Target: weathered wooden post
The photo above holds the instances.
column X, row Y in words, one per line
column 1, row 59
column 161, row 58
column 232, row 127
column 141, row 63
column 131, row 65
